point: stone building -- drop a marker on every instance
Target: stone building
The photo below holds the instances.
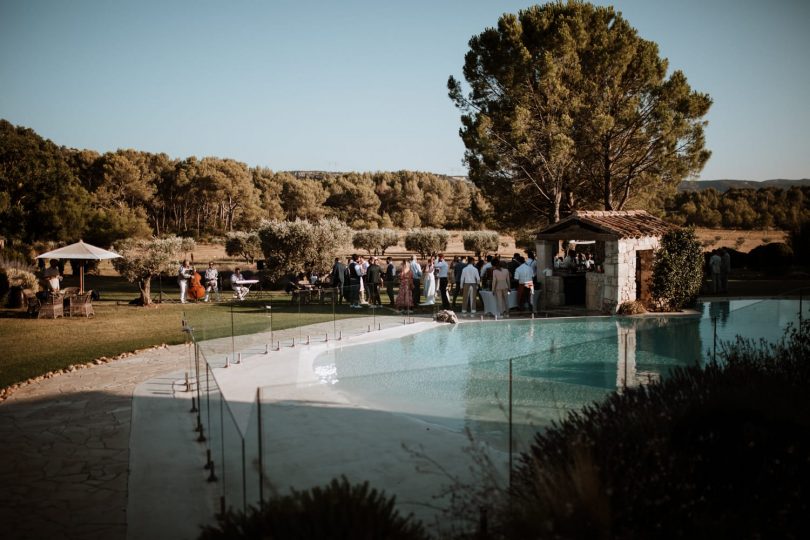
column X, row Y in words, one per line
column 622, row 244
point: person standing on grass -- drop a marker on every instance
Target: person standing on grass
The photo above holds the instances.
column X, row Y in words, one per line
column 458, row 268
column 338, row 275
column 405, row 296
column 355, row 280
column 725, row 268
column 390, row 277
column 500, row 287
column 416, row 272
column 715, row 264
column 442, row 269
column 184, row 274
column 525, row 279
column 211, row 278
column 429, row 278
column 470, row 278
column 373, row 282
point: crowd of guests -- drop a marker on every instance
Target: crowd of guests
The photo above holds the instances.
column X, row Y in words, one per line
column 360, row 282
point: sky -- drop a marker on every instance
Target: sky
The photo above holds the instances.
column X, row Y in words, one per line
column 356, row 85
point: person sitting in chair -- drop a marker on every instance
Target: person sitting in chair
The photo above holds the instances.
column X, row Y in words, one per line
column 240, row 291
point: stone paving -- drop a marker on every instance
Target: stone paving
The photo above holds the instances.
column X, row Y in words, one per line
column 64, row 450
column 64, row 455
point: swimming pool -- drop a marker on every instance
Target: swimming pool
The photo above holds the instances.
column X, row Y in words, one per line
column 457, row 376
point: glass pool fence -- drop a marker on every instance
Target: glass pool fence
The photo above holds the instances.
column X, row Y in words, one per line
column 415, row 421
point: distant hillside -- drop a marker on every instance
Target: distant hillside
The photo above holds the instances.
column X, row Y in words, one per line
column 724, row 185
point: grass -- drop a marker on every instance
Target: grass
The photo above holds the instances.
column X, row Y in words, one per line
column 32, row 347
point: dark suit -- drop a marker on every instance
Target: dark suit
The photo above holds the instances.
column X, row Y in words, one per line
column 338, row 275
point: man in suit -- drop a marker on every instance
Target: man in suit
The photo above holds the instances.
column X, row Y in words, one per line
column 338, row 275
column 390, row 278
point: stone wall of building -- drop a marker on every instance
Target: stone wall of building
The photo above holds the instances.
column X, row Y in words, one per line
column 620, row 270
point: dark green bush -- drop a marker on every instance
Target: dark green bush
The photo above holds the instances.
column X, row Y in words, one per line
column 775, row 256
column 800, row 242
column 677, row 269
column 339, row 510
column 715, row 452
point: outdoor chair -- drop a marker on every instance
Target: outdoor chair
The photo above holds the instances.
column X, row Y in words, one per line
column 52, row 307
column 82, row 304
column 32, row 302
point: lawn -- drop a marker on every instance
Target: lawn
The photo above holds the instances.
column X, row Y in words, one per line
column 32, row 347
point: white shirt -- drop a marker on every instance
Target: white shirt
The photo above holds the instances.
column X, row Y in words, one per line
column 485, row 268
column 470, row 275
column 416, row 270
column 524, row 273
column 442, row 267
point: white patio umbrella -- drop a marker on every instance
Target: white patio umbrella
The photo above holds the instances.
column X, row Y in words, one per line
column 80, row 251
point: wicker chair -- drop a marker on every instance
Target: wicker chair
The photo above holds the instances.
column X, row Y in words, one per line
column 32, row 302
column 52, row 307
column 82, row 304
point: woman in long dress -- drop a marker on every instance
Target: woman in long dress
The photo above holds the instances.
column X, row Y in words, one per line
column 429, row 290
column 405, row 295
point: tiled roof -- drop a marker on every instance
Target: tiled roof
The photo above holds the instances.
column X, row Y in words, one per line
column 623, row 224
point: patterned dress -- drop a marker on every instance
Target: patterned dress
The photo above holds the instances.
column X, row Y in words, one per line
column 405, row 296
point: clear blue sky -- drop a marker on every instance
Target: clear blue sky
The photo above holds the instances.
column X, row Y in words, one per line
column 360, row 85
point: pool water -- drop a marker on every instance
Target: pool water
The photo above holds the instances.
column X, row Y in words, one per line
column 457, row 376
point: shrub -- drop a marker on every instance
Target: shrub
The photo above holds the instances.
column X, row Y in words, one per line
column 426, row 241
column 710, row 452
column 375, row 241
column 773, row 257
column 243, row 244
column 799, row 240
column 480, row 242
column 632, row 308
column 526, row 240
column 292, row 246
column 677, row 269
column 339, row 510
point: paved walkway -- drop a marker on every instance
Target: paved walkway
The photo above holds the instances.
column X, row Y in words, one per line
column 64, row 444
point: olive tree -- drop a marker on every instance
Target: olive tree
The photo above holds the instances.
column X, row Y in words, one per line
column 481, row 241
column 375, row 241
column 243, row 244
column 426, row 241
column 143, row 259
column 291, row 246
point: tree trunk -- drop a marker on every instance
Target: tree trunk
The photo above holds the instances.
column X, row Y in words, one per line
column 145, row 285
column 606, row 179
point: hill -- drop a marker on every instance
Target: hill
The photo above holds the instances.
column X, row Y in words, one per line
column 724, row 185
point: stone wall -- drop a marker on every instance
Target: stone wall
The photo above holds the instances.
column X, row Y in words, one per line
column 620, row 270
column 594, row 291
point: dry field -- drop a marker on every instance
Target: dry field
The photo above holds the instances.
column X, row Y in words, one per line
column 717, row 238
column 711, row 239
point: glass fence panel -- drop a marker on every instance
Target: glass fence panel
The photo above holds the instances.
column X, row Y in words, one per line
column 254, row 478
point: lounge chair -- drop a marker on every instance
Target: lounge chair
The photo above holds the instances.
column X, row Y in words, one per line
column 32, row 302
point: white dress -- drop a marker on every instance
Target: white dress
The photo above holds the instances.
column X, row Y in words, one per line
column 429, row 289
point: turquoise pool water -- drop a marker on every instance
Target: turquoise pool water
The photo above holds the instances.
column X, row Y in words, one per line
column 457, row 375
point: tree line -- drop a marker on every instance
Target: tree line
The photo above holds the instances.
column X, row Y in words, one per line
column 765, row 208
column 50, row 192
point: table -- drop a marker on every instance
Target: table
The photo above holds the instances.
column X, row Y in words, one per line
column 491, row 306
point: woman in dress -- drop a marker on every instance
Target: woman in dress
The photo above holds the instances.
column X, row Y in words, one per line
column 430, row 282
column 405, row 295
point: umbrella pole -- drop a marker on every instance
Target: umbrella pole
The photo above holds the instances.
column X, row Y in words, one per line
column 81, row 278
